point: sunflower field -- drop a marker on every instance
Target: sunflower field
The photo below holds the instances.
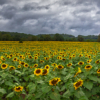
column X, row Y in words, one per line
column 49, row 70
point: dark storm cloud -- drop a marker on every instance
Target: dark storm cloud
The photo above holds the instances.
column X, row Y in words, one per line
column 4, row 2
column 50, row 16
column 8, row 11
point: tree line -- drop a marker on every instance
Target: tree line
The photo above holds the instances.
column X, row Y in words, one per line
column 15, row 36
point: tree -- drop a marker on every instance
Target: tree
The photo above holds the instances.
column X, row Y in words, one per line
column 80, row 38
column 34, row 38
column 98, row 40
column 58, row 37
column 47, row 38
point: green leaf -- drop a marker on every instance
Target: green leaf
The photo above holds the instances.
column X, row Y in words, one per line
column 3, row 91
column 26, row 78
column 46, row 89
column 55, row 96
column 28, row 97
column 32, row 87
column 38, row 95
column 79, row 93
column 67, row 94
column 32, row 75
column 16, row 71
column 4, row 75
column 10, row 95
column 67, row 77
column 88, row 84
column 8, row 83
column 83, row 98
column 94, row 78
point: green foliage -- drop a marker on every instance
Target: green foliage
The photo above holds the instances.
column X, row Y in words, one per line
column 98, row 40
column 14, row 36
column 80, row 38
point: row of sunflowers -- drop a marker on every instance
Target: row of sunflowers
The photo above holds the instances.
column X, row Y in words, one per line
column 49, row 70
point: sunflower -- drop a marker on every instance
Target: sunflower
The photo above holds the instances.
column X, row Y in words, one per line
column 73, row 55
column 31, row 67
column 30, row 57
column 89, row 56
column 38, row 71
column 54, row 64
column 4, row 66
column 19, row 66
column 80, row 55
column 41, row 61
column 11, row 68
column 47, row 67
column 79, row 71
column 0, row 61
column 46, row 58
column 11, row 55
column 60, row 66
column 26, row 65
column 70, row 57
column 80, row 63
column 15, row 59
column 21, row 62
column 21, row 56
column 63, row 59
column 98, row 71
column 97, row 61
column 86, row 55
column 78, row 84
column 88, row 67
column 2, row 58
column 45, row 72
column 88, row 61
column 54, row 81
column 35, row 65
column 18, row 88
column 35, row 57
column 59, row 57
column 70, row 64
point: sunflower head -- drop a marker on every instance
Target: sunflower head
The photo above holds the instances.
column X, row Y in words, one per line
column 35, row 57
column 54, row 64
column 38, row 71
column 19, row 66
column 54, row 81
column 47, row 67
column 35, row 65
column 63, row 59
column 41, row 61
column 98, row 71
column 69, row 64
column 30, row 57
column 21, row 62
column 45, row 72
column 97, row 61
column 11, row 68
column 70, row 57
column 78, row 84
column 80, row 63
column 26, row 65
column 46, row 58
column 18, row 88
column 88, row 67
column 4, row 66
column 80, row 55
column 0, row 61
column 15, row 59
column 60, row 66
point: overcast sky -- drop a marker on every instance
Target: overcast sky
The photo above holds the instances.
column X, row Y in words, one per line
column 75, row 17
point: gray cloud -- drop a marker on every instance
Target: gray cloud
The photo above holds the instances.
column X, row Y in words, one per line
column 53, row 16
